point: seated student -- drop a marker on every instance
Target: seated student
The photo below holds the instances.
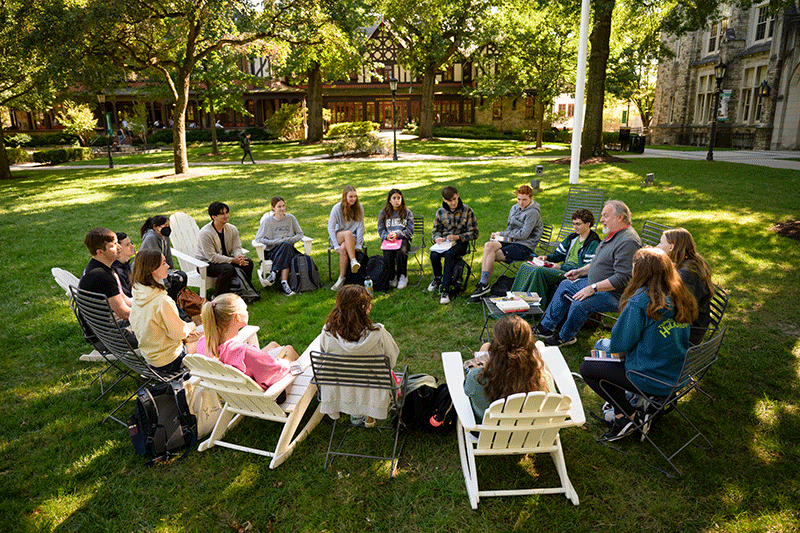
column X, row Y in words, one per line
column 98, row 276
column 396, row 223
column 695, row 273
column 155, row 236
column 576, row 251
column 278, row 233
column 349, row 330
column 652, row 333
column 122, row 265
column 223, row 317
column 454, row 222
column 517, row 242
column 514, row 366
column 221, row 248
column 154, row 316
column 346, row 232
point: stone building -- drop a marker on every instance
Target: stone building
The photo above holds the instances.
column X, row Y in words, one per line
column 760, row 98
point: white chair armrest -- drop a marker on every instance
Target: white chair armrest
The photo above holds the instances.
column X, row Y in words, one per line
column 259, row 249
column 454, row 376
column 199, row 263
column 305, row 362
column 307, row 245
column 563, row 377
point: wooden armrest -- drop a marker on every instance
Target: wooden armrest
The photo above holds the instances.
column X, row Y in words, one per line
column 563, row 377
column 305, row 362
column 454, row 376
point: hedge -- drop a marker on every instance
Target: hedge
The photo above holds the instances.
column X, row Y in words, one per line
column 343, row 129
column 62, row 155
column 17, row 155
column 42, row 139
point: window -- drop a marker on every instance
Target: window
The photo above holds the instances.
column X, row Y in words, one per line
column 571, row 110
column 497, row 110
column 446, row 111
column 751, row 102
column 678, row 42
column 705, row 96
column 671, row 110
column 346, row 112
column 562, row 109
column 765, row 24
column 529, row 109
column 715, row 35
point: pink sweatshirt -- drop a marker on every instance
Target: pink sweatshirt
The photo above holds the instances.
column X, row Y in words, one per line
column 263, row 367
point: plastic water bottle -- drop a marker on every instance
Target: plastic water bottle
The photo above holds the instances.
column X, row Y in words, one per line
column 368, row 286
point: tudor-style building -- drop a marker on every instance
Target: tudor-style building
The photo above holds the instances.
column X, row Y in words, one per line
column 761, row 87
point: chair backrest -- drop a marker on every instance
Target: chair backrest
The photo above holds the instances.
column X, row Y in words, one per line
column 580, row 198
column 239, row 391
column 359, row 371
column 651, row 233
column 184, row 237
column 544, row 241
column 64, row 279
column 419, row 227
column 524, row 421
column 718, row 305
column 698, row 360
column 96, row 312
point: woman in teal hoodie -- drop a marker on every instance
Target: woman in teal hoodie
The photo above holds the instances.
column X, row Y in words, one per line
column 651, row 336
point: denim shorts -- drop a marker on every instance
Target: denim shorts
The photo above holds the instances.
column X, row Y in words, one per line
column 515, row 251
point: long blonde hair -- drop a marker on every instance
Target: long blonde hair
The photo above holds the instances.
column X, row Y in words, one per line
column 351, row 212
column 217, row 315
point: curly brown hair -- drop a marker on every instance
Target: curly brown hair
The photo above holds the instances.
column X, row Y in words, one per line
column 652, row 268
column 515, row 365
column 350, row 318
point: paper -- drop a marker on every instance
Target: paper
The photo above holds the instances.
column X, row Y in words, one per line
column 442, row 246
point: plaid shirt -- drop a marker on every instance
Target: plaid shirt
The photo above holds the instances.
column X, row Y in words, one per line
column 461, row 222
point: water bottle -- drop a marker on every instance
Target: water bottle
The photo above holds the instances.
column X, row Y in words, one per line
column 368, row 286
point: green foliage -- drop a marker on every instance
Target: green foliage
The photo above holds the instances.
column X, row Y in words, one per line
column 351, row 128
column 287, row 123
column 62, row 155
column 43, row 139
column 19, row 139
column 78, row 120
column 256, row 134
column 17, row 155
column 356, row 144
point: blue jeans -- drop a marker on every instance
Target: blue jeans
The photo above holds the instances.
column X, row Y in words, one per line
column 450, row 257
column 576, row 311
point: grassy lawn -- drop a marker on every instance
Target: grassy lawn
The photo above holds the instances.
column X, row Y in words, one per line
column 480, row 148
column 60, row 470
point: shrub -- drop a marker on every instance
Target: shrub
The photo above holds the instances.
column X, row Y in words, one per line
column 287, row 123
column 20, row 139
column 478, row 131
column 411, row 128
column 62, row 155
column 17, row 155
column 52, row 139
column 80, row 153
column 161, row 136
column 368, row 143
column 350, row 129
column 610, row 137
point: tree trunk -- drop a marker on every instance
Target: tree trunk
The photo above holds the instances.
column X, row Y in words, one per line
column 214, row 143
column 179, row 130
column 539, row 107
column 426, row 105
column 5, row 168
column 592, row 136
column 314, row 98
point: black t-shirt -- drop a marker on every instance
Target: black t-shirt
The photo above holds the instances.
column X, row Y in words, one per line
column 97, row 277
column 695, row 284
column 124, row 273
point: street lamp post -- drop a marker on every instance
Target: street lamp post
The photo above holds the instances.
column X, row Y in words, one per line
column 393, row 87
column 719, row 73
column 101, row 98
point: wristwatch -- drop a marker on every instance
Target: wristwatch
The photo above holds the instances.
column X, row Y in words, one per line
column 594, row 287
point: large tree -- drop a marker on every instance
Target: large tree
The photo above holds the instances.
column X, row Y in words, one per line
column 170, row 38
column 431, row 32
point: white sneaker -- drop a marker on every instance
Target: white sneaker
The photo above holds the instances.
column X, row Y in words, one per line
column 445, row 299
column 338, row 284
column 286, row 289
column 393, row 282
column 270, row 279
column 354, row 265
column 402, row 282
column 434, row 286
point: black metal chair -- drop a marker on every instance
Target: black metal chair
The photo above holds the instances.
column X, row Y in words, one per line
column 364, row 372
column 697, row 362
column 414, row 251
column 651, row 233
column 95, row 310
column 578, row 197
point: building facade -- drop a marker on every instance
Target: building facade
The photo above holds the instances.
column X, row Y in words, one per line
column 760, row 98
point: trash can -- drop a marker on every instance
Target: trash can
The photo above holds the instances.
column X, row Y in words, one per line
column 624, row 138
column 637, row 144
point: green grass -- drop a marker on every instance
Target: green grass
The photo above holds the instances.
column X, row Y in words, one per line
column 60, row 470
column 480, row 148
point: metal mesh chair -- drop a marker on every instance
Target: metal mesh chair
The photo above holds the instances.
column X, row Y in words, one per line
column 418, row 252
column 578, row 198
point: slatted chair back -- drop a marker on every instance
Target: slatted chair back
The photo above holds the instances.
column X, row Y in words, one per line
column 544, row 242
column 184, row 237
column 718, row 305
column 418, row 251
column 651, row 233
column 579, row 197
column 528, row 422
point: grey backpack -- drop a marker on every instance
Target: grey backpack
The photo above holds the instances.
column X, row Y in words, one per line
column 303, row 274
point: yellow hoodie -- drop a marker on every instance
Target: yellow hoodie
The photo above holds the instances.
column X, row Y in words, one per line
column 157, row 325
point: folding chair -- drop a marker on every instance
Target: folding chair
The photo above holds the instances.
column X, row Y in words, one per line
column 510, row 268
column 264, row 267
column 346, row 375
column 697, row 362
column 414, row 251
column 330, row 269
column 518, row 425
column 651, row 233
column 244, row 397
column 718, row 304
column 95, row 310
column 578, row 197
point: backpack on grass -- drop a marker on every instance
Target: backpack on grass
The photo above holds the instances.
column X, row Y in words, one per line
column 303, row 274
column 378, row 273
column 428, row 405
column 162, row 425
column 461, row 274
column 241, row 285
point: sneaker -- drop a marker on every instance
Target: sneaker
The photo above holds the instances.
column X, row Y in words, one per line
column 608, row 413
column 338, row 284
column 555, row 340
column 286, row 289
column 622, row 427
column 445, row 299
column 270, row 279
column 434, row 286
column 647, row 422
column 542, row 332
column 393, row 282
column 402, row 283
column 354, row 265
column 481, row 290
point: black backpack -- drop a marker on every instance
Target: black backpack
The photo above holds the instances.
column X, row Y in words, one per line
column 241, row 285
column 358, row 278
column 502, row 286
column 461, row 274
column 162, row 424
column 303, row 274
column 378, row 273
column 427, row 405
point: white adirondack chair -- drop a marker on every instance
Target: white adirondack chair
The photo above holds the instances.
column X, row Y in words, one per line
column 243, row 397
column 520, row 424
column 266, row 266
column 65, row 279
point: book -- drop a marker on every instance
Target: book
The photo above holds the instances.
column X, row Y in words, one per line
column 529, row 297
column 442, row 246
column 391, row 245
column 538, row 262
column 512, row 305
column 600, row 355
column 480, row 359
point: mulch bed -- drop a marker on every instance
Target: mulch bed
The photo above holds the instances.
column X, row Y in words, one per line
column 593, row 160
column 789, row 229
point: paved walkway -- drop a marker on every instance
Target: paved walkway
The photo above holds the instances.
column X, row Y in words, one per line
column 771, row 159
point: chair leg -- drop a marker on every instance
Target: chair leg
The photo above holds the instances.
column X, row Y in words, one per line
column 225, row 421
column 330, row 270
column 468, row 466
column 561, row 468
column 288, row 440
column 104, row 391
column 120, row 406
